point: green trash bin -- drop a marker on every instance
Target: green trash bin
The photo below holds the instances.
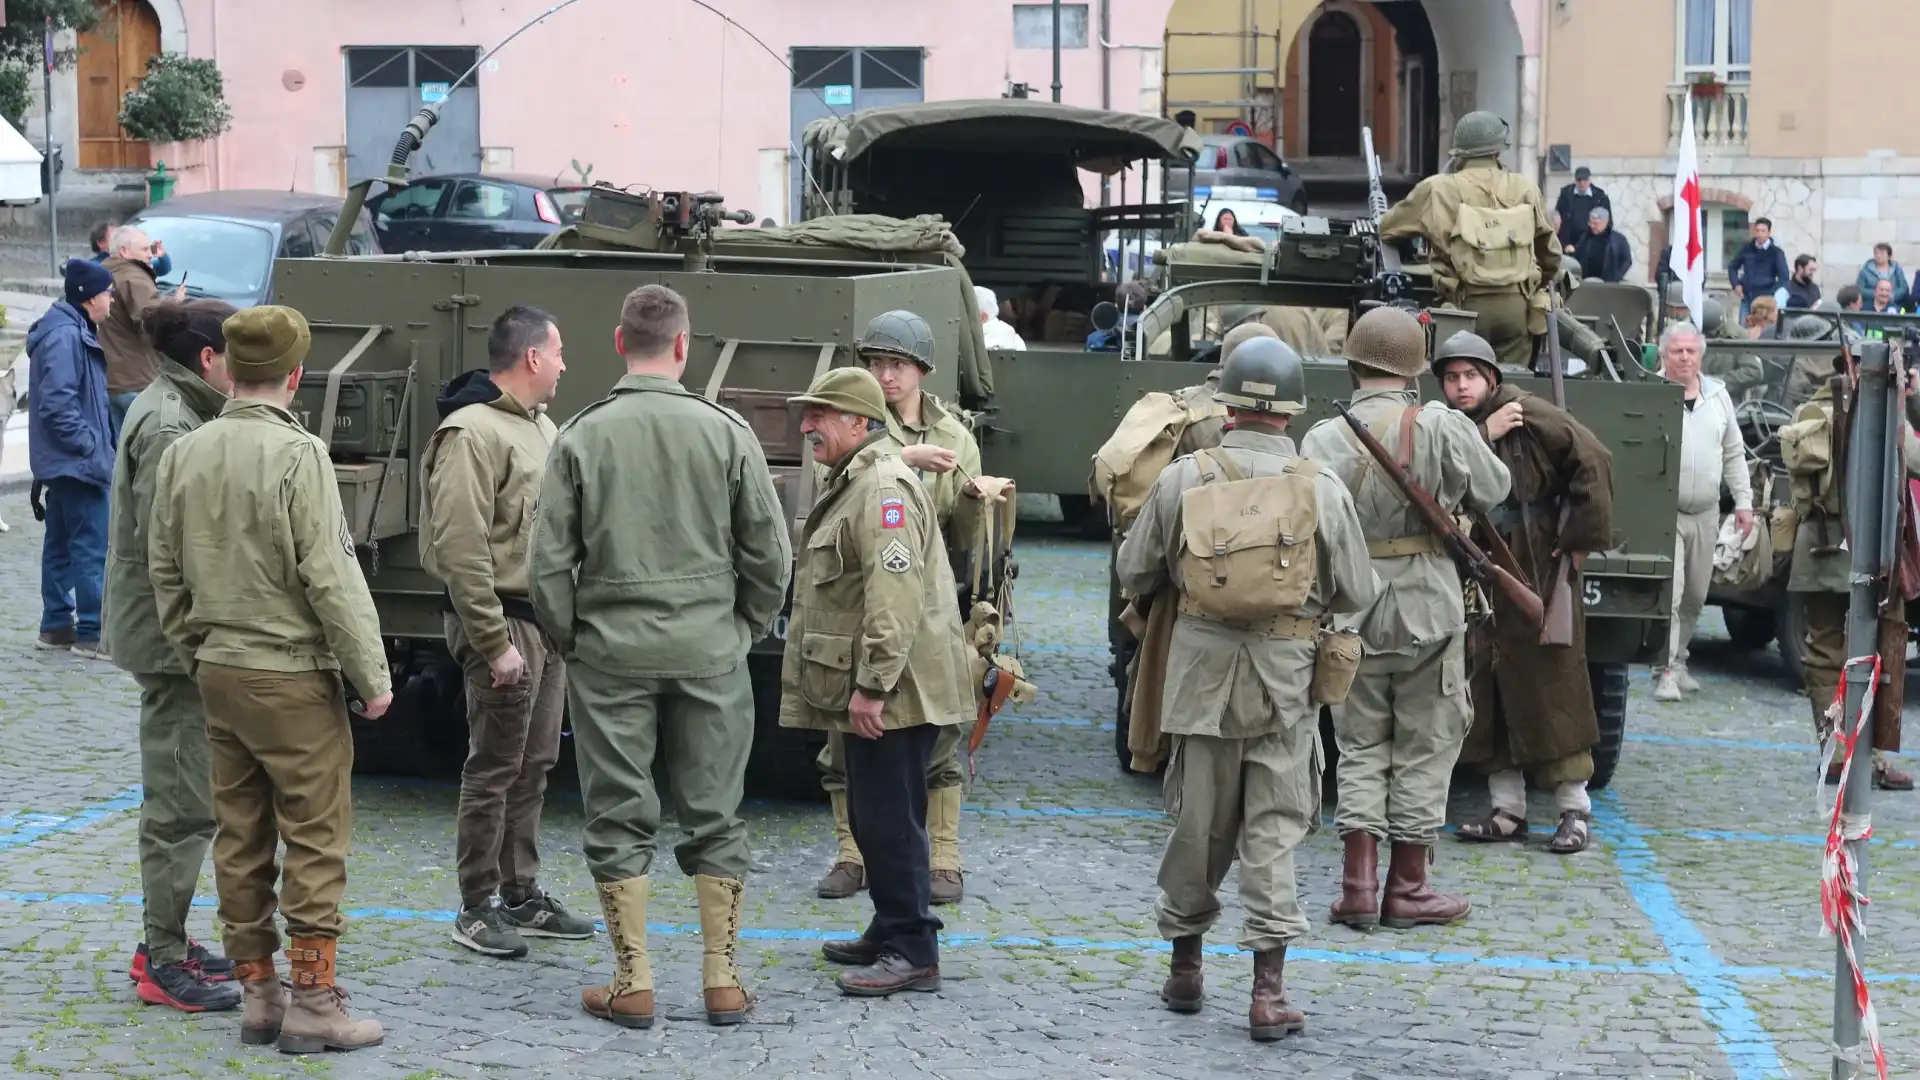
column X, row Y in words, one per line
column 159, row 184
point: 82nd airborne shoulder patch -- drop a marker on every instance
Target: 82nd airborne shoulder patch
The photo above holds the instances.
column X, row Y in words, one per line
column 895, row 558
column 893, row 511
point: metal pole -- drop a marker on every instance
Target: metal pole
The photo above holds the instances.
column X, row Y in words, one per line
column 1868, row 477
column 1056, row 51
column 53, row 177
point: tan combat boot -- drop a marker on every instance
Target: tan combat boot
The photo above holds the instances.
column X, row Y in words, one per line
column 1359, row 903
column 727, row 1001
column 263, row 1001
column 318, row 1019
column 628, row 999
column 943, row 834
column 1270, row 1017
column 1185, row 988
column 849, row 873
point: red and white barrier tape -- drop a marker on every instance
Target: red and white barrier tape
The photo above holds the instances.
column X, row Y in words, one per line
column 1842, row 904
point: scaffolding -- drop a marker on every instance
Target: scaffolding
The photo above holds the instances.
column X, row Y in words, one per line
column 1254, row 99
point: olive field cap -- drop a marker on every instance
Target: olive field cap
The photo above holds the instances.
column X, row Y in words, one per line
column 850, row 390
column 266, row 343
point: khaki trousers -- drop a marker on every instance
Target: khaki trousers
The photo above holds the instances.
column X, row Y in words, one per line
column 282, row 772
column 1824, row 652
column 1506, row 321
column 1255, row 797
column 1400, row 732
column 513, row 740
column 1693, row 542
column 176, row 808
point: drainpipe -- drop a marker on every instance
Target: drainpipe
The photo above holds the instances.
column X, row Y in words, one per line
column 1106, row 85
column 219, row 141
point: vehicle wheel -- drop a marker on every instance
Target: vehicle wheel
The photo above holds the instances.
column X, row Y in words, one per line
column 781, row 763
column 1750, row 628
column 1609, row 682
column 1792, row 621
column 405, row 741
column 1081, row 514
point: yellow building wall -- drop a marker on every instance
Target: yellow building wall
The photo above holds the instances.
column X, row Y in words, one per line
column 1276, row 20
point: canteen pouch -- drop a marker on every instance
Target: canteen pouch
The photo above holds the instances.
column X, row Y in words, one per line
column 1247, row 543
column 1336, row 660
column 1491, row 248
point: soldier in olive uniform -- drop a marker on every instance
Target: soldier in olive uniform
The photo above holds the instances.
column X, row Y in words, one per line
column 875, row 653
column 1245, row 769
column 897, row 347
column 660, row 555
column 1478, row 219
column 262, row 597
column 1403, row 723
column 176, row 806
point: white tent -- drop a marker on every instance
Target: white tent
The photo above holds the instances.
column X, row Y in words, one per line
column 19, row 167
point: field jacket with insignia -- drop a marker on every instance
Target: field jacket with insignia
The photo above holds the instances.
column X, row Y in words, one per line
column 480, row 477
column 873, row 603
column 176, row 402
column 1228, row 682
column 1820, row 564
column 957, row 513
column 660, row 550
column 1432, row 208
column 252, row 562
column 1420, row 599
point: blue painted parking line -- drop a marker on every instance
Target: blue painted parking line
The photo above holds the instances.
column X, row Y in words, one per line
column 33, row 828
column 1723, row 744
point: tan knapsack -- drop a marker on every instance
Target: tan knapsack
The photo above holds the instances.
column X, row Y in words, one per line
column 1141, row 448
column 1247, row 543
column 1492, row 248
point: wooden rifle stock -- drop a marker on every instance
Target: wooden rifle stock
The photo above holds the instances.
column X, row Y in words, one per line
column 1478, row 565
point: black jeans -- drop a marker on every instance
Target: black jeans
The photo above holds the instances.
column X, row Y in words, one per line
column 887, row 807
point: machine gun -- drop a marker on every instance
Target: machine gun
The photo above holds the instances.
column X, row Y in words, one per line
column 1389, row 276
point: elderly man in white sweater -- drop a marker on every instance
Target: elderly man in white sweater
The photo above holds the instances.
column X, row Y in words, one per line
column 999, row 334
column 1711, row 453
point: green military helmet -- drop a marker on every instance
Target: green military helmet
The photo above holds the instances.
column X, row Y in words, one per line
column 1809, row 328
column 901, row 333
column 1480, row 134
column 1466, row 345
column 1676, row 294
column 1263, row 375
column 1387, row 340
column 1240, row 335
column 850, row 390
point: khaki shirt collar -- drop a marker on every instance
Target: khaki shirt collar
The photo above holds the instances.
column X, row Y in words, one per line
column 1405, row 394
column 252, row 408
column 204, row 400
column 870, row 447
column 631, row 381
column 1260, row 442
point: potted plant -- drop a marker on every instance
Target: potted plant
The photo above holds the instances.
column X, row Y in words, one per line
column 181, row 102
column 1706, row 84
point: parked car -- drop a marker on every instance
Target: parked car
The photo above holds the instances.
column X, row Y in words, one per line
column 224, row 243
column 474, row 212
column 1241, row 162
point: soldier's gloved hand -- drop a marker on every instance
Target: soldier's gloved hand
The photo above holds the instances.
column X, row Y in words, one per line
column 1504, row 419
column 377, row 707
column 865, row 712
column 990, row 489
column 929, row 458
column 509, row 668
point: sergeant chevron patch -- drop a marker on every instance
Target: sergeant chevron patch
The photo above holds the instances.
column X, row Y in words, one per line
column 895, row 558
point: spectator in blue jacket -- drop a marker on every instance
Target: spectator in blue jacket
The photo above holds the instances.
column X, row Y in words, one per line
column 1882, row 268
column 70, row 446
column 1760, row 269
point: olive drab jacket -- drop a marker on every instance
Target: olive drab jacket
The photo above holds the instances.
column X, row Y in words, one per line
column 176, row 402
column 660, row 550
column 1820, row 564
column 252, row 562
column 1420, row 599
column 1432, row 210
column 956, row 513
column 1225, row 681
column 873, row 603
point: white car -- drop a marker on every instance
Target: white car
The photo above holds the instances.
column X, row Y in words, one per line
column 1260, row 217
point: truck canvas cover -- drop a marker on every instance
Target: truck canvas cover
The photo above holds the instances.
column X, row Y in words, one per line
column 1101, row 141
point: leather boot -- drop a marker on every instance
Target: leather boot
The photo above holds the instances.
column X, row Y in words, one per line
column 317, row 1019
column 727, row 1001
column 1185, row 988
column 1269, row 1017
column 263, row 1001
column 628, row 999
column 1359, row 903
column 849, row 873
column 1409, row 902
column 943, row 836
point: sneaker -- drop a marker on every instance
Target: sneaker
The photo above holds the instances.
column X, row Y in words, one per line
column 55, row 639
column 1667, row 688
column 90, row 650
column 484, row 930
column 540, row 915
column 213, row 967
column 1688, row 684
column 180, row 986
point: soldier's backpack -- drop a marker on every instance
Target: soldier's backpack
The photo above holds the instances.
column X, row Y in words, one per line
column 1142, row 447
column 1492, row 248
column 1806, row 449
column 1247, row 543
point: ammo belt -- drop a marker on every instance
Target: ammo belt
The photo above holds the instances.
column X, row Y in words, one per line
column 1296, row 627
column 1513, row 516
column 1417, row 544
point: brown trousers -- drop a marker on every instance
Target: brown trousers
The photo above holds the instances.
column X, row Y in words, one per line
column 513, row 740
column 282, row 771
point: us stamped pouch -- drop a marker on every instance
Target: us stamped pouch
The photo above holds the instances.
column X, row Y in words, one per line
column 1492, row 248
column 1247, row 543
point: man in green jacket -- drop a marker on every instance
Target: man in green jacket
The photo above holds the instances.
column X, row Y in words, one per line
column 261, row 595
column 660, row 555
column 176, row 806
column 480, row 480
column 874, row 650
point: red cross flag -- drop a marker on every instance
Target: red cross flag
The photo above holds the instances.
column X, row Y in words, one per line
column 1687, row 262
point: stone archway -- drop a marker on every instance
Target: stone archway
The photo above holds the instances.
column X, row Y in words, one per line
column 1482, row 54
column 1336, row 60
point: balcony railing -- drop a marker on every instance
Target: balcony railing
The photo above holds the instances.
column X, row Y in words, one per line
column 1719, row 117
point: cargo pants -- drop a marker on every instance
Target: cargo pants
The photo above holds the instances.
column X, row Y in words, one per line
column 943, row 771
column 176, row 809
column 513, row 741
column 703, row 730
column 1506, row 321
column 282, row 771
column 1400, row 732
column 1258, row 797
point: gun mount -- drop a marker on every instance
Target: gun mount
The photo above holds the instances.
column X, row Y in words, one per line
column 665, row 222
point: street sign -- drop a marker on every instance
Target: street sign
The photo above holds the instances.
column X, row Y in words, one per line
column 434, row 92
column 840, row 94
column 1240, row 128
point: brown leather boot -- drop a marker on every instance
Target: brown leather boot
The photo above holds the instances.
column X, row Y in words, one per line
column 1359, row 903
column 1269, row 1017
column 628, row 999
column 317, row 1020
column 727, row 1001
column 263, row 1001
column 1409, row 902
column 1185, row 988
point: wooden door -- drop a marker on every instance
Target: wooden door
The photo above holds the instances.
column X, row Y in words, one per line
column 113, row 60
column 1333, row 87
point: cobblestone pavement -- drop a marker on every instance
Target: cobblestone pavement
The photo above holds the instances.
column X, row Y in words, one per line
column 1684, row 944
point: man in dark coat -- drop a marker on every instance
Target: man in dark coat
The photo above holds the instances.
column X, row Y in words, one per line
column 1576, row 203
column 1561, row 503
column 1603, row 253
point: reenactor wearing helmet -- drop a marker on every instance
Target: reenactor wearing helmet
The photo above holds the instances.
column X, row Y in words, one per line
column 875, row 654
column 1560, row 504
column 660, row 554
column 897, row 347
column 1244, row 775
column 1489, row 240
column 1740, row 372
column 1402, row 725
column 260, row 593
